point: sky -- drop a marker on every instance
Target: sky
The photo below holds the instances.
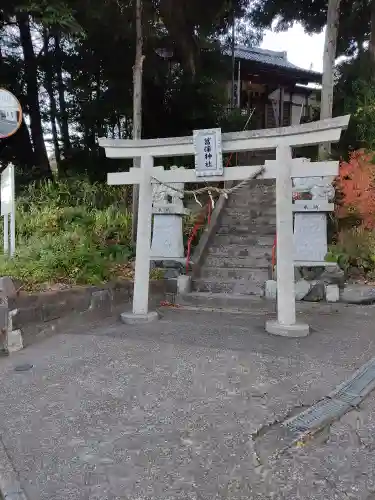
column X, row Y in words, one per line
column 305, row 51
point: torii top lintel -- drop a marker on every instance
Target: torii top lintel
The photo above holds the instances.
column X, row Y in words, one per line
column 307, row 134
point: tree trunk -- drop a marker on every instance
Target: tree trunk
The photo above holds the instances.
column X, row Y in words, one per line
column 137, row 105
column 31, row 77
column 371, row 46
column 52, row 101
column 18, row 149
column 100, row 128
column 64, row 127
column 119, row 127
column 329, row 57
column 232, row 100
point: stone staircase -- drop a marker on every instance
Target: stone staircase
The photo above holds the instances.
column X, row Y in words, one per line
column 238, row 258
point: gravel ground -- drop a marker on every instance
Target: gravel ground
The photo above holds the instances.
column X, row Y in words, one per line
column 171, row 410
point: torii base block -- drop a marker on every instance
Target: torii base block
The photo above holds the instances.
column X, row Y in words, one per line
column 296, row 330
column 139, row 319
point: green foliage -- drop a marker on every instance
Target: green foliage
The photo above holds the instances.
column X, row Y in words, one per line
column 83, row 91
column 363, row 116
column 235, row 121
column 355, row 94
column 354, row 26
column 55, row 13
column 157, row 273
column 355, row 248
column 73, row 192
column 71, row 242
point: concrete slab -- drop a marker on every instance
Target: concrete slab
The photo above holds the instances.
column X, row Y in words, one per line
column 130, row 318
column 169, row 410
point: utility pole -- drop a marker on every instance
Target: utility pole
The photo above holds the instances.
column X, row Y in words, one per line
column 329, row 56
column 137, row 105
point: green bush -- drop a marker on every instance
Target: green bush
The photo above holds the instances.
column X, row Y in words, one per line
column 355, row 248
column 75, row 192
column 69, row 232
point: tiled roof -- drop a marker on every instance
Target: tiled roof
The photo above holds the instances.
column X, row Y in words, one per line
column 269, row 57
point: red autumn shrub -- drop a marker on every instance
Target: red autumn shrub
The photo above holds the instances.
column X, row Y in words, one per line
column 356, row 189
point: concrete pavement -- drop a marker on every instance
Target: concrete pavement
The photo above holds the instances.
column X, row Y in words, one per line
column 173, row 410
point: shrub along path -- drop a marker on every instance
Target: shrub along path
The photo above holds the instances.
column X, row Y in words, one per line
column 70, row 232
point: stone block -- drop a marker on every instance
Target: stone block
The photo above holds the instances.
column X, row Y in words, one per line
column 311, row 273
column 3, row 317
column 358, row 294
column 11, row 315
column 23, row 317
column 183, row 284
column 171, row 286
column 270, row 291
column 63, row 303
column 14, row 341
column 333, row 276
column 302, row 288
column 7, row 287
column 173, row 264
column 316, row 293
column 101, row 299
column 171, row 273
column 51, row 312
column 297, row 274
column 167, row 237
column 310, row 236
column 332, row 293
column 122, row 291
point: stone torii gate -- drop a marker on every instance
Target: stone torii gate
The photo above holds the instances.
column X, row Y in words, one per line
column 283, row 169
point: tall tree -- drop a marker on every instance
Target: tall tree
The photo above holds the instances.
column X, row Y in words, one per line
column 329, row 57
column 372, row 35
column 31, row 76
column 49, row 84
column 63, row 115
column 79, row 81
column 355, row 19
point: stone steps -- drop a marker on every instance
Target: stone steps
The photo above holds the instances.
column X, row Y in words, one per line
column 253, row 211
column 256, row 274
column 256, row 189
column 247, row 219
column 230, row 301
column 238, row 261
column 244, row 201
column 238, row 250
column 248, row 229
column 229, row 287
column 243, row 240
column 224, row 262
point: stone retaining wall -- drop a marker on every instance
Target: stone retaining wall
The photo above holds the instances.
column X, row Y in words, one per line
column 29, row 314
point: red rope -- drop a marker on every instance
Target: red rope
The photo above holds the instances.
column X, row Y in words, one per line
column 194, row 231
column 209, row 213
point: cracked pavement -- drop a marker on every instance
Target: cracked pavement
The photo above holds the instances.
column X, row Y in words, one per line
column 169, row 410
